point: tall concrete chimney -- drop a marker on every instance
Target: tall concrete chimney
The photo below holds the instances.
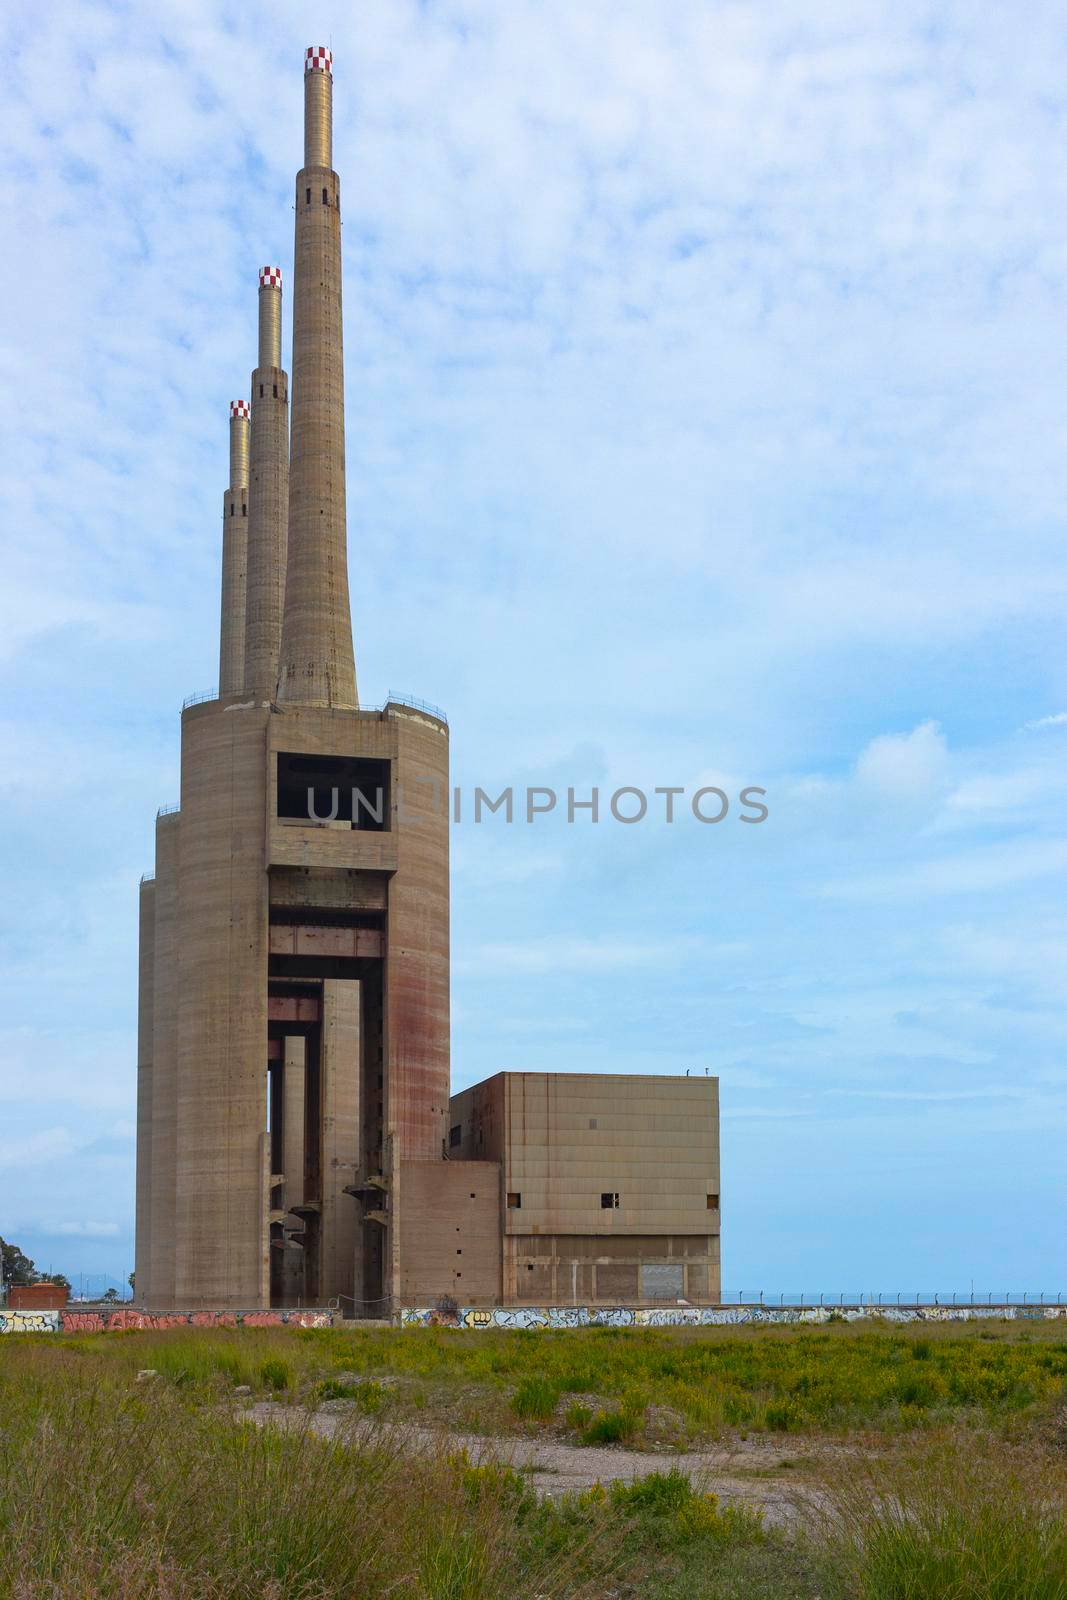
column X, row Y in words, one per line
column 268, row 496
column 234, row 556
column 317, row 667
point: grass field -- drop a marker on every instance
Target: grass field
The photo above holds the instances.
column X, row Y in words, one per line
column 936, row 1464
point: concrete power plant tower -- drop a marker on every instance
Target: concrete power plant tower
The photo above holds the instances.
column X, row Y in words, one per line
column 293, row 1048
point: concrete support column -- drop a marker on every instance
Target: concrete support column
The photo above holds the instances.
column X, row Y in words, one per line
column 291, row 1274
column 145, row 998
column 340, row 1140
column 165, row 991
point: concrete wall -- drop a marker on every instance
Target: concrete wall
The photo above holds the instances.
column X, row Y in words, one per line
column 101, row 1319
column 221, row 1229
column 548, row 1317
column 566, row 1140
column 166, row 981
column 145, row 1041
column 449, row 1230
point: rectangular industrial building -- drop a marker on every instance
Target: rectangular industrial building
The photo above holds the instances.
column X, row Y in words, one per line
column 608, row 1186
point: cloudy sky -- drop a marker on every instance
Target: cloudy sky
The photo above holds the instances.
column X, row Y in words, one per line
column 707, row 423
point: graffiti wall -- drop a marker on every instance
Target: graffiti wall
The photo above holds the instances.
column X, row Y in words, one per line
column 704, row 1316
column 103, row 1320
column 28, row 1321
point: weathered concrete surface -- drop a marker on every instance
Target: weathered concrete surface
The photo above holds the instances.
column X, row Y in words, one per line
column 567, row 1141
column 234, row 556
column 145, row 1033
column 268, row 497
column 220, row 1231
column 165, row 968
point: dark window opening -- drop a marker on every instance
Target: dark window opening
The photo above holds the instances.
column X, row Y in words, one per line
column 713, row 1202
column 275, row 391
column 459, row 1252
column 325, row 198
column 609, row 1202
column 261, row 391
column 514, row 1202
column 341, row 789
column 244, row 511
column 529, row 1266
column 232, row 508
column 473, row 1195
column 308, row 197
column 455, row 1135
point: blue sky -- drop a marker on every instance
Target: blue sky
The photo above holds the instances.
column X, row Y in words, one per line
column 706, row 423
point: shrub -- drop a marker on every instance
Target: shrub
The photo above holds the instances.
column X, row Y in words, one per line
column 274, row 1374
column 609, row 1427
column 535, row 1399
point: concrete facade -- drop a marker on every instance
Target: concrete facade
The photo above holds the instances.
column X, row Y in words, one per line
column 610, row 1184
column 294, row 1144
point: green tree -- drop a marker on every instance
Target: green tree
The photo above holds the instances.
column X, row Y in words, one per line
column 17, row 1266
column 110, row 1295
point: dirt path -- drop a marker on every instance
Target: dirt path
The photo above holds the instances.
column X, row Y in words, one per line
column 766, row 1477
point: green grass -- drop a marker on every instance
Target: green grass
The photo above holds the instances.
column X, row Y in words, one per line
column 157, row 1489
column 979, row 1522
column 754, row 1379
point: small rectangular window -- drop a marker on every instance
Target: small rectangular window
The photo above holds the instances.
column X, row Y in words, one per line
column 232, row 508
column 325, row 198
column 275, row 391
column 261, row 391
column 609, row 1202
column 455, row 1135
column 308, row 196
column 514, row 1201
column 713, row 1202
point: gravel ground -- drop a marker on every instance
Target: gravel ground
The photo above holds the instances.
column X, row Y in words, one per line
column 750, row 1471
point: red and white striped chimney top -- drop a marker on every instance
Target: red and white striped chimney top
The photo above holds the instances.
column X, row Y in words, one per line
column 317, row 58
column 270, row 277
column 240, row 408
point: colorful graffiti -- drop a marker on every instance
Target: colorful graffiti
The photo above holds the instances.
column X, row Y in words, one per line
column 706, row 1316
column 29, row 1321
column 123, row 1318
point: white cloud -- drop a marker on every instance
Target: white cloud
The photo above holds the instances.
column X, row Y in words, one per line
column 911, row 766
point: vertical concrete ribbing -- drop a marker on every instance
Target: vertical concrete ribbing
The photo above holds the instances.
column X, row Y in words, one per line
column 317, row 665
column 234, row 556
column 268, row 496
column 145, row 985
column 166, row 981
